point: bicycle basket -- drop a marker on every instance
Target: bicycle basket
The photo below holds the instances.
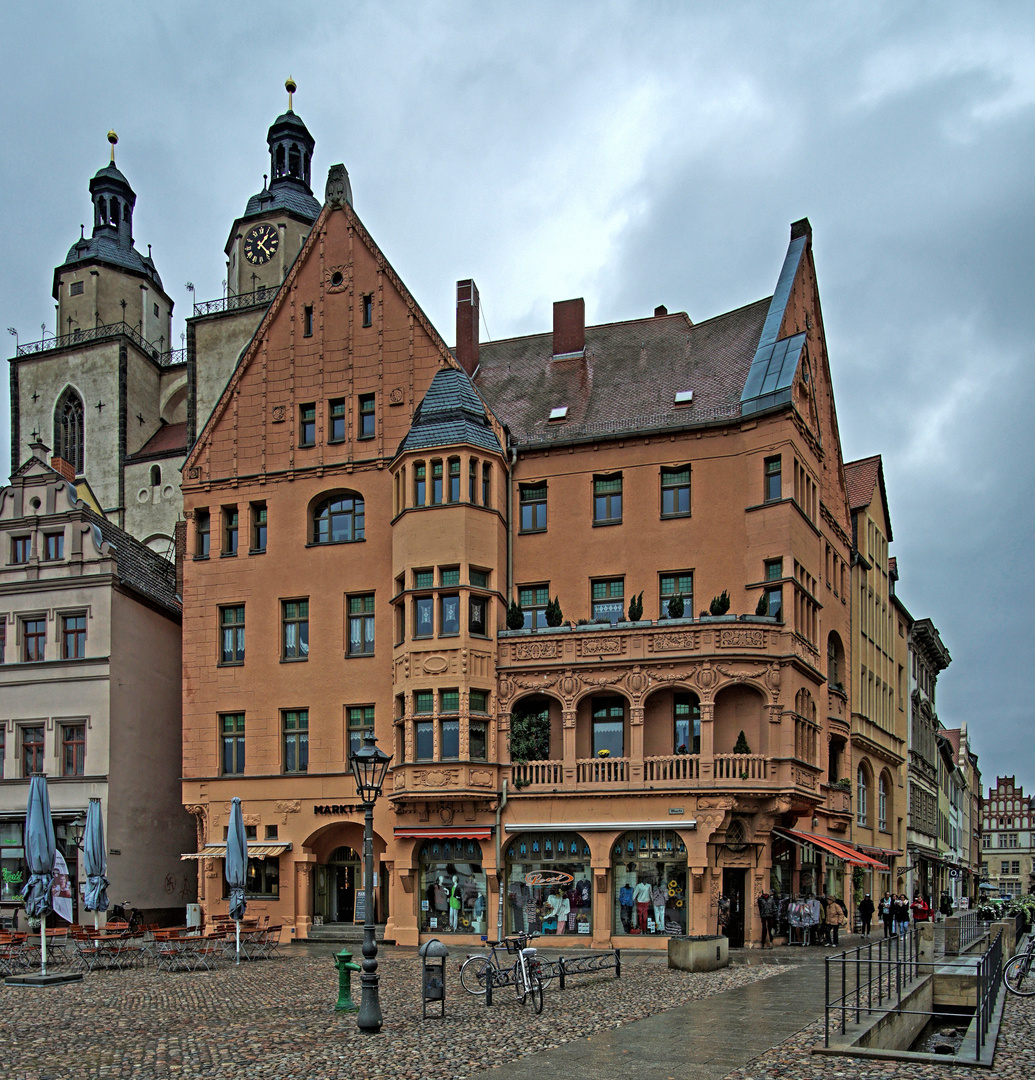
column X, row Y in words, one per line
column 514, row 945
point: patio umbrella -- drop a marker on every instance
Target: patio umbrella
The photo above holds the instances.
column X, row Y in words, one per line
column 236, row 867
column 39, row 854
column 989, row 886
column 95, row 896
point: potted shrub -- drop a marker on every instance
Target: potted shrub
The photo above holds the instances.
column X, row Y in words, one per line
column 554, row 616
column 675, row 606
column 603, row 753
column 636, row 608
column 720, row 604
column 844, row 783
column 515, row 616
column 741, row 746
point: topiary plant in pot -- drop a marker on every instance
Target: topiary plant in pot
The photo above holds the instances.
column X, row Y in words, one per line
column 741, row 745
column 675, row 606
column 720, row 604
column 636, row 608
column 554, row 615
column 515, row 616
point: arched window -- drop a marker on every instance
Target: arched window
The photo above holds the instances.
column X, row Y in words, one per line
column 68, row 430
column 279, row 168
column 861, row 796
column 294, row 161
column 102, row 212
column 156, row 476
column 882, row 803
column 835, row 661
column 338, row 519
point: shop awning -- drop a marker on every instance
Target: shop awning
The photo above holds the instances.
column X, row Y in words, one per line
column 255, row 851
column 832, row 847
column 878, row 852
column 457, row 832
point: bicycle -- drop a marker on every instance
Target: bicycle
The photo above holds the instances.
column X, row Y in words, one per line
column 1016, row 974
column 528, row 979
column 476, row 970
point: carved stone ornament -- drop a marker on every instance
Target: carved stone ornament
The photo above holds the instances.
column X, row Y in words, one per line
column 279, row 413
column 706, row 677
column 337, row 278
column 505, row 690
column 481, row 778
column 304, row 869
column 435, row 664
column 396, row 396
column 742, row 637
column 436, row 778
column 445, row 813
column 637, row 682
column 193, row 472
column 569, row 685
column 601, row 645
column 338, row 191
column 537, row 650
column 292, row 806
column 681, row 642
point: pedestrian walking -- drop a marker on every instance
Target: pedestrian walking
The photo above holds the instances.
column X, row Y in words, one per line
column 887, row 913
column 901, row 913
column 866, row 914
column 835, row 919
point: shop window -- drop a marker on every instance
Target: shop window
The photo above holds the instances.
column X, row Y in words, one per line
column 549, row 909
column 680, row 583
column 675, row 492
column 12, row 854
column 338, row 519
column 773, row 487
column 230, row 530
column 449, row 615
column 361, row 625
column 202, row 533
column 296, row 740
column 21, row 548
column 533, row 600
column 533, row 507
column 453, row 893
column 360, row 720
column 607, row 500
column 337, row 420
column 307, row 425
column 608, row 602
column 454, row 480
column 32, row 750
column 34, row 640
column 263, row 877
column 73, row 636
column 367, row 416
column 649, row 883
column 687, row 721
column 231, row 727
column 295, row 617
column 608, row 727
column 258, row 510
column 231, row 626
column 54, row 546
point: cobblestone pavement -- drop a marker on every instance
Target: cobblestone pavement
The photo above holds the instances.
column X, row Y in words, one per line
column 275, row 1020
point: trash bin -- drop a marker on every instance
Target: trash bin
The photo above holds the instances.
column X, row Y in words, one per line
column 433, row 975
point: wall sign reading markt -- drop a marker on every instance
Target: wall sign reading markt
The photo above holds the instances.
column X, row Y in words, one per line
column 337, row 808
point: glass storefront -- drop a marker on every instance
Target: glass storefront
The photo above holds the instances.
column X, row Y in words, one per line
column 649, row 890
column 783, row 864
column 565, row 907
column 12, row 867
column 453, row 897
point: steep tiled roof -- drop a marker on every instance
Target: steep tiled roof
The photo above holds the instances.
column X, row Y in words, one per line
column 287, row 197
column 861, row 479
column 138, row 567
column 628, row 377
column 168, row 441
column 451, row 414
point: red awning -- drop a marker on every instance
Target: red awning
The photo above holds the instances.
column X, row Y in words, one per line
column 440, row 833
column 833, row 847
column 879, row 852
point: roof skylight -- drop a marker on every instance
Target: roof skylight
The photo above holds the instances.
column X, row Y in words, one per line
column 559, row 413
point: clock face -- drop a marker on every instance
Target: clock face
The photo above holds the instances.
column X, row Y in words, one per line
column 260, row 245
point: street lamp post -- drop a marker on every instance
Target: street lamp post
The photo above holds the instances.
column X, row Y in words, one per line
column 369, row 766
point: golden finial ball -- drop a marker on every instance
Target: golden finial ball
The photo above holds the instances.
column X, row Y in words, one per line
column 112, row 138
column 290, row 86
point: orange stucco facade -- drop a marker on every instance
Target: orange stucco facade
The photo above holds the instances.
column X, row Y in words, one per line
column 639, row 780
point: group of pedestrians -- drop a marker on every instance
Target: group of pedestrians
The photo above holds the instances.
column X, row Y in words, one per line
column 817, row 919
column 896, row 912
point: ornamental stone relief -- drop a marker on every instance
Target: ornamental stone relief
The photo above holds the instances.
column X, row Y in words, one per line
column 680, row 642
column 436, row 778
column 536, row 650
column 480, row 777
column 292, row 806
column 279, row 414
column 435, row 664
column 599, row 645
column 742, row 637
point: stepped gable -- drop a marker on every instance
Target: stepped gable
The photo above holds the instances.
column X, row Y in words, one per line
column 627, row 378
column 451, row 414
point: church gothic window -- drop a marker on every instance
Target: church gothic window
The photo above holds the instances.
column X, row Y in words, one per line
column 68, row 430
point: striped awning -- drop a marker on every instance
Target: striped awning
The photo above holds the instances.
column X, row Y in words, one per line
column 255, row 851
column 839, row 850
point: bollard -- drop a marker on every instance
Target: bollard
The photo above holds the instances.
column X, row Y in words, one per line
column 343, row 962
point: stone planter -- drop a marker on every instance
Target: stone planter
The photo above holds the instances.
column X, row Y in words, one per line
column 705, row 952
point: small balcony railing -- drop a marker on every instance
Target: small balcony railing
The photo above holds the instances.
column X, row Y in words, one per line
column 599, row 771
column 236, row 301
column 537, row 773
column 672, row 769
column 161, row 356
column 739, row 767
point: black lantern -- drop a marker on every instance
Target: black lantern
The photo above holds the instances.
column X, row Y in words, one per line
column 369, row 766
column 77, row 830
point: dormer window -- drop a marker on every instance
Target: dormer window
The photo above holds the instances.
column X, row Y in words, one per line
column 559, row 413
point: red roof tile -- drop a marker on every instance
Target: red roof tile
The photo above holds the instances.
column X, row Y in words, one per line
column 168, row 441
column 861, row 479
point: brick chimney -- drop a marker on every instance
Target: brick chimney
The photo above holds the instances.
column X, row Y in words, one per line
column 569, row 326
column 467, row 325
column 58, row 464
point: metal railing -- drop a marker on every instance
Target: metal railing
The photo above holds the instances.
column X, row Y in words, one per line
column 877, row 977
column 236, row 301
column 104, row 332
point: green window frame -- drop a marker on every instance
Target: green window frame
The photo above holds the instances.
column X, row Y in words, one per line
column 607, row 500
column 675, row 492
column 532, row 502
column 295, row 724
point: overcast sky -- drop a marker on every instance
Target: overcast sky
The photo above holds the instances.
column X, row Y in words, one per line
column 635, row 154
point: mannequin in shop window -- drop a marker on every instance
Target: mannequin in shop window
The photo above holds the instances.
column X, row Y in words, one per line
column 625, row 905
column 641, row 897
column 658, row 899
column 454, row 904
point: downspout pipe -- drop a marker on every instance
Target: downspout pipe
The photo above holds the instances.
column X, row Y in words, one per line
column 499, row 865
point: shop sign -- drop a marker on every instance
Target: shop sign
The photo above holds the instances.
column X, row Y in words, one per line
column 336, row 808
column 13, row 877
column 675, row 810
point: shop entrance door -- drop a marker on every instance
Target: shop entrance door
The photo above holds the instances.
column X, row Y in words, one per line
column 344, row 873
column 733, row 890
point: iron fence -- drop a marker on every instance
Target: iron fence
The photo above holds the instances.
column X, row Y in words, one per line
column 236, row 301
column 989, row 983
column 104, row 332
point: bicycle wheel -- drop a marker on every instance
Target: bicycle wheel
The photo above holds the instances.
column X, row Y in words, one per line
column 475, row 972
column 536, row 990
column 519, row 982
column 1018, row 978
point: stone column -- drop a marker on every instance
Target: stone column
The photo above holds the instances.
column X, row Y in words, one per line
column 707, row 741
column 635, row 753
column 568, row 718
column 303, row 899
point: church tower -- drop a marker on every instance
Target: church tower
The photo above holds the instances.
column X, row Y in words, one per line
column 106, row 391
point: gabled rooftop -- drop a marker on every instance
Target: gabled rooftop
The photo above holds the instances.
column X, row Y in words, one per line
column 451, row 414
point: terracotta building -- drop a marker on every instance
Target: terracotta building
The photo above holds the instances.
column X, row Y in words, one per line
column 363, row 505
